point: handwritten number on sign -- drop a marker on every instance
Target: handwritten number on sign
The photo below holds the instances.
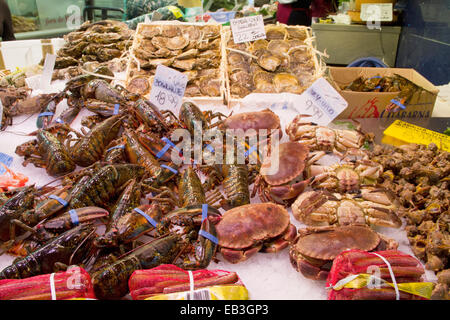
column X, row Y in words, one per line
column 316, row 112
column 161, row 97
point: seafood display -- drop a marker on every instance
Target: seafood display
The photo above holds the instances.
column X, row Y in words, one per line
column 419, row 176
column 100, row 43
column 283, row 62
column 193, row 49
column 144, row 202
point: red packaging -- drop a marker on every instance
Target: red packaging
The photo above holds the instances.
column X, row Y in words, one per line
column 168, row 278
column 73, row 283
column 406, row 269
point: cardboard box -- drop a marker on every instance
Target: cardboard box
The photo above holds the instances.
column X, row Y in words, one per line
column 358, row 3
column 373, row 104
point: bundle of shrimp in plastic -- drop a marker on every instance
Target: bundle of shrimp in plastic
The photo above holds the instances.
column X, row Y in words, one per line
column 71, row 284
column 381, row 275
column 168, row 282
column 10, row 179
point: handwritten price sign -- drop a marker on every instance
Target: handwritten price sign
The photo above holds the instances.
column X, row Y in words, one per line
column 248, row 29
column 168, row 88
column 322, row 102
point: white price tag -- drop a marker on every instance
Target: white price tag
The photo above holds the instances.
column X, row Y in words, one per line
column 376, row 12
column 168, row 88
column 322, row 102
column 34, row 82
column 47, row 71
column 248, row 29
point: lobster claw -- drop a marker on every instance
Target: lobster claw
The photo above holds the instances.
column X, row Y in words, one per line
column 205, row 249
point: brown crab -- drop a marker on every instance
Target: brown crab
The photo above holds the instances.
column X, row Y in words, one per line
column 265, row 119
column 313, row 250
column 281, row 187
column 248, row 229
column 372, row 207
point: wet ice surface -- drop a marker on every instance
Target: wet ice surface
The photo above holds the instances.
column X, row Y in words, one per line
column 266, row 276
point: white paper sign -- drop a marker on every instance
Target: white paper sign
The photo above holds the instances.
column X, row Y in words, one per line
column 376, row 12
column 248, row 29
column 47, row 71
column 322, row 102
column 168, row 88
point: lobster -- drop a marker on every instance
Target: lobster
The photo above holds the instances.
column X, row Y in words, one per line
column 71, row 247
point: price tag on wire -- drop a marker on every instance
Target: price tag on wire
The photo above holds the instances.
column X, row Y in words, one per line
column 47, row 71
column 248, row 29
column 322, row 102
column 168, row 88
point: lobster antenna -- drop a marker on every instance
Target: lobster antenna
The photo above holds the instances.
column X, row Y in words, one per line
column 78, row 247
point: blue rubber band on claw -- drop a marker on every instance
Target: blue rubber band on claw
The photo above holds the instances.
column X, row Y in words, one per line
column 170, row 143
column 147, row 217
column 74, row 217
column 208, row 236
column 250, row 151
column 116, row 109
column 204, row 211
column 116, row 147
column 44, row 114
column 210, row 148
column 60, row 200
column 163, row 151
column 169, row 168
column 398, row 104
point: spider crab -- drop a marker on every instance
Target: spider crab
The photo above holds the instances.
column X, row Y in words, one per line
column 372, row 206
column 325, row 138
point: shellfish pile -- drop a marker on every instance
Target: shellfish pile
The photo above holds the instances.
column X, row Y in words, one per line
column 102, row 42
column 283, row 62
column 194, row 50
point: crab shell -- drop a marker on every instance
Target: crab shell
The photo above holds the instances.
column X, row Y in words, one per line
column 314, row 249
column 291, row 162
column 247, row 229
column 265, row 119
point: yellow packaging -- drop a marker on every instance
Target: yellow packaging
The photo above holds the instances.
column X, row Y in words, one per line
column 421, row 289
column 229, row 292
column 176, row 11
column 190, row 3
column 400, row 132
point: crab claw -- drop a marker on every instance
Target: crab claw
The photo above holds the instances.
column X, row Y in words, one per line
column 287, row 192
column 282, row 242
column 74, row 217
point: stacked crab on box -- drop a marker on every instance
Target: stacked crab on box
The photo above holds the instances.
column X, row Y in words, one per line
column 193, row 49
